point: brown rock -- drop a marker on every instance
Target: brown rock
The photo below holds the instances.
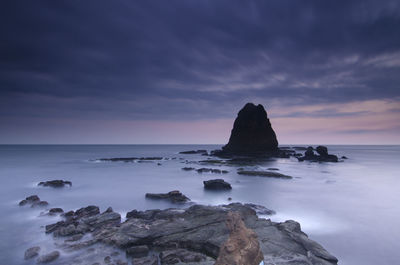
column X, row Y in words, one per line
column 242, row 247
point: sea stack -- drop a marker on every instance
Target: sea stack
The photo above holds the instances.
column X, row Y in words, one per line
column 252, row 132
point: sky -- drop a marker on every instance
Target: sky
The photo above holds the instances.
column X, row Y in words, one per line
column 150, row 72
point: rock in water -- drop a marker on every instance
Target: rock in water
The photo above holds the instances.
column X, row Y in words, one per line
column 252, row 132
column 242, row 246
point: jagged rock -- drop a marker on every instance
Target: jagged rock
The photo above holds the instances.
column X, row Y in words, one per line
column 54, row 211
column 31, row 252
column 202, row 230
column 259, row 209
column 242, row 246
column 55, row 183
column 217, row 184
column 323, row 156
column 48, row 257
column 252, row 132
column 263, row 174
column 34, row 201
column 172, row 196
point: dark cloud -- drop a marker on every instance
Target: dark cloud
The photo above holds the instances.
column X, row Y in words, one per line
column 193, row 59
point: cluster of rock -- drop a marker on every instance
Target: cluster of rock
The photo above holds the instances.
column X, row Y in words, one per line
column 322, row 156
column 33, row 252
column 33, row 201
column 197, row 235
column 55, row 183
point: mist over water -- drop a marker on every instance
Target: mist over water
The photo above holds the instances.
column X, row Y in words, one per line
column 351, row 208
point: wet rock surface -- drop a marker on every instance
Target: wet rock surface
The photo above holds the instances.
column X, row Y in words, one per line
column 269, row 174
column 211, row 170
column 48, row 257
column 203, row 152
column 58, row 183
column 172, row 196
column 177, row 236
column 242, row 246
column 216, row 184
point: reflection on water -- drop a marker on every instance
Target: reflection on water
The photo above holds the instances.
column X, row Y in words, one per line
column 351, row 208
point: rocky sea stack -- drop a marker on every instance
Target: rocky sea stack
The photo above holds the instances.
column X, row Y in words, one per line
column 252, row 132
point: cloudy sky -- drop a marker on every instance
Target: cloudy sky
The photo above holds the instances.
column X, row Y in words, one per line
column 99, row 71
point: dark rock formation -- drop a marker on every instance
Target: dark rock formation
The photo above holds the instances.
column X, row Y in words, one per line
column 263, row 174
column 252, row 132
column 186, row 236
column 130, row 159
column 259, row 209
column 211, row 170
column 242, row 246
column 188, row 168
column 217, row 184
column 33, row 201
column 138, row 251
column 172, row 196
column 322, row 157
column 55, row 183
column 194, row 152
column 31, row 252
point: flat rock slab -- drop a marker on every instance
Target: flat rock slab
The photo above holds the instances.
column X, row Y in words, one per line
column 268, row 174
column 174, row 196
column 199, row 229
column 58, row 183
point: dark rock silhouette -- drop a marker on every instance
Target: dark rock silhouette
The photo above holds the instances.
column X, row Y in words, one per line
column 174, row 196
column 217, row 184
column 252, row 132
column 323, row 156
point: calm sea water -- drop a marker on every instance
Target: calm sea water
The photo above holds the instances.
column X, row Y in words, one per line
column 352, row 208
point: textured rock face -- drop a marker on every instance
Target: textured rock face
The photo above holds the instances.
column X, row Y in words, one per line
column 252, row 132
column 242, row 246
column 188, row 236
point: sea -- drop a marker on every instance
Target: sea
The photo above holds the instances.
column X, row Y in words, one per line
column 352, row 208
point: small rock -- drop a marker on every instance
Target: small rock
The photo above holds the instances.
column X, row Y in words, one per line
column 31, row 252
column 217, row 184
column 48, row 257
column 263, row 174
column 173, row 196
column 107, row 260
column 55, row 183
column 54, row 211
column 188, row 168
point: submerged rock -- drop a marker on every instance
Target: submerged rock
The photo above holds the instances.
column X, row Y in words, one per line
column 33, row 201
column 48, row 257
column 252, row 132
column 172, row 196
column 31, row 252
column 217, row 184
column 242, row 246
column 211, row 170
column 55, row 183
column 269, row 174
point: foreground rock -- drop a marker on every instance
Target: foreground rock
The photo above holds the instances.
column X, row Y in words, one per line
column 242, row 246
column 252, row 133
column 322, row 156
column 268, row 174
column 55, row 183
column 176, row 236
column 172, row 196
column 216, row 184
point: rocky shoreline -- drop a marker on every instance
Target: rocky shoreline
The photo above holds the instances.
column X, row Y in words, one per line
column 191, row 236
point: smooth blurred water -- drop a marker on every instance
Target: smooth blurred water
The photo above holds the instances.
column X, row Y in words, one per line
column 352, row 208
